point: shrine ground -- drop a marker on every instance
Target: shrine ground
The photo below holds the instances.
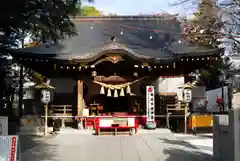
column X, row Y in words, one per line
column 73, row 145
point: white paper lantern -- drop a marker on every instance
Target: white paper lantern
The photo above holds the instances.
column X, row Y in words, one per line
column 45, row 96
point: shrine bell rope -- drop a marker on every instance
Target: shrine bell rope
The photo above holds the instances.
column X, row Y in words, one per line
column 119, row 86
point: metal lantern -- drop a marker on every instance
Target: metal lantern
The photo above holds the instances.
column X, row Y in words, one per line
column 94, row 74
column 135, row 74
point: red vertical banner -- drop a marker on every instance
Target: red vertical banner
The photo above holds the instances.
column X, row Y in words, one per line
column 9, row 146
column 13, row 148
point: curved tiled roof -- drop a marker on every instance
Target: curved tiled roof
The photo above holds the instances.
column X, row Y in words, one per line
column 142, row 37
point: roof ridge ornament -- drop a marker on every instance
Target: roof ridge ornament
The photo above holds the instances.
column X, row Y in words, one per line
column 113, row 38
column 113, row 45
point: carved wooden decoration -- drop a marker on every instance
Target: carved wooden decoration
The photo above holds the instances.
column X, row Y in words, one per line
column 114, row 59
column 112, row 79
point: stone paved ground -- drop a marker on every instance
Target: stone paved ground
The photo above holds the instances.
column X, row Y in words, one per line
column 82, row 146
column 30, row 141
column 201, row 141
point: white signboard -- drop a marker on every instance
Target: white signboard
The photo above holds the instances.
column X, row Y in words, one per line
column 105, row 122
column 170, row 85
column 3, row 125
column 150, row 103
column 212, row 96
column 9, row 148
column 131, row 121
column 45, row 96
column 28, row 94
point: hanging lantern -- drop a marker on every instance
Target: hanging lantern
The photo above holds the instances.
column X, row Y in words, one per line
column 115, row 93
column 135, row 74
column 128, row 90
column 109, row 94
column 94, row 74
column 121, row 33
column 122, row 92
column 102, row 91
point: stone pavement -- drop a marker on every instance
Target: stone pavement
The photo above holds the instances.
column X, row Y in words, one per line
column 29, row 141
column 202, row 141
column 74, row 145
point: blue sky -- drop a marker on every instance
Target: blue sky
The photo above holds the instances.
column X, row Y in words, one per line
column 134, row 7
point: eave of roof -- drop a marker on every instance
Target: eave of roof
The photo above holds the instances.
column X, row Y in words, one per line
column 90, row 43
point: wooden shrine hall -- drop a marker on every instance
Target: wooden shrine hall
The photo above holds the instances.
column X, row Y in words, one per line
column 113, row 59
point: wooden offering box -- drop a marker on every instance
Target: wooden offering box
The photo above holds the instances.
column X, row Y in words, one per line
column 115, row 123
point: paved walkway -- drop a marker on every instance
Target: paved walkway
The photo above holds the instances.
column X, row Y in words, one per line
column 202, row 141
column 75, row 146
column 29, row 141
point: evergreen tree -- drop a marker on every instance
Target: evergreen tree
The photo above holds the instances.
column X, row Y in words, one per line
column 43, row 20
column 89, row 11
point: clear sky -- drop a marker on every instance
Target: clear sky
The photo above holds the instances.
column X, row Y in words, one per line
column 134, row 7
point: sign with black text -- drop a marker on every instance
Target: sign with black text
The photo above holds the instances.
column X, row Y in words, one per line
column 187, row 95
column 150, row 103
column 45, row 97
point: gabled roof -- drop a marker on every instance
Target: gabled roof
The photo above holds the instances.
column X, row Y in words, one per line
column 144, row 37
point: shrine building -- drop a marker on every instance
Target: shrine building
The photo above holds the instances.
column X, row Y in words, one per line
column 106, row 67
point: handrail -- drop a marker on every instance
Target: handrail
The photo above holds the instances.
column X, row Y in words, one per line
column 61, row 105
column 176, row 109
column 64, row 112
column 62, row 109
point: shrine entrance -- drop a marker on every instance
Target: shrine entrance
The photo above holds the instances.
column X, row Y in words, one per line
column 116, row 96
column 116, row 104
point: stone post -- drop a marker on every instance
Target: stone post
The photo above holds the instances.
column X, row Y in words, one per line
column 234, row 118
column 226, row 133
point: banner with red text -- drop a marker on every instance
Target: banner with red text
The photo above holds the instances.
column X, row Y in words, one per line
column 9, row 148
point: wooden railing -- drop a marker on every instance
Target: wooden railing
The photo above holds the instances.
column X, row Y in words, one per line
column 65, row 112
column 182, row 108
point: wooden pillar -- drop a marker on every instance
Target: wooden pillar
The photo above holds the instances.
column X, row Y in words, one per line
column 80, row 103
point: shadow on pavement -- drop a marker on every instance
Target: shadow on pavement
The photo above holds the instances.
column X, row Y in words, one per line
column 206, row 136
column 183, row 155
column 43, row 152
column 178, row 142
column 29, row 141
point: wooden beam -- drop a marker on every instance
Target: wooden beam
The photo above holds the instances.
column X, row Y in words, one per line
column 80, row 100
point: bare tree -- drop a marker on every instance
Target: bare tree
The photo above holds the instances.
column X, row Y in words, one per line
column 219, row 21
